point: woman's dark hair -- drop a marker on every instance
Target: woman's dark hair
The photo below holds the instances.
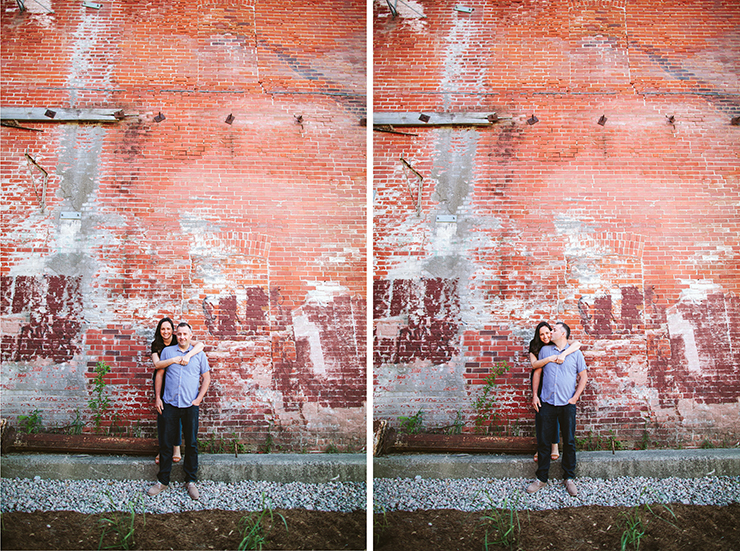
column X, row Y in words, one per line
column 158, row 344
column 536, row 344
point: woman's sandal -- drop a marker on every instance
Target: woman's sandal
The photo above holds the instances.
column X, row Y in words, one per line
column 176, row 458
column 156, row 459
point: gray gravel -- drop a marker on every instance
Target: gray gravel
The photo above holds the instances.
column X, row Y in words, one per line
column 99, row 496
column 479, row 494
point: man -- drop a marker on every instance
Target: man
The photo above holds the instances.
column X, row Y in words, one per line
column 562, row 385
column 182, row 399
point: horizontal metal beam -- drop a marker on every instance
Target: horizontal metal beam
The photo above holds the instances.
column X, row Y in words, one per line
column 58, row 114
column 463, row 443
column 436, row 119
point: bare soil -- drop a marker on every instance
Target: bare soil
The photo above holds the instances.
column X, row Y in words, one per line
column 678, row 527
column 572, row 529
column 212, row 529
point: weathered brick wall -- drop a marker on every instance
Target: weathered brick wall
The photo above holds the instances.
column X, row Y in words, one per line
column 254, row 231
column 629, row 232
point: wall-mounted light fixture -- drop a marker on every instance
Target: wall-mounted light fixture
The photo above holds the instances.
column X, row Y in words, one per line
column 601, row 121
column 230, row 119
column 532, row 120
column 160, row 117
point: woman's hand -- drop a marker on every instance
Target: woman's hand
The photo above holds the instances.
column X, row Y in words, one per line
column 560, row 359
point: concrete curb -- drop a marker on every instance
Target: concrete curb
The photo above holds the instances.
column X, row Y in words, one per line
column 311, row 468
column 599, row 464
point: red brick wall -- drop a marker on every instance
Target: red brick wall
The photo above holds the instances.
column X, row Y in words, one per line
column 628, row 231
column 253, row 232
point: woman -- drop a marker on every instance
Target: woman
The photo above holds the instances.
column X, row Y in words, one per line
column 542, row 336
column 165, row 336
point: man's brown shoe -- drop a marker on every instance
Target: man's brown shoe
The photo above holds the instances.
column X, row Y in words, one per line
column 192, row 491
column 571, row 487
column 536, row 486
column 157, row 488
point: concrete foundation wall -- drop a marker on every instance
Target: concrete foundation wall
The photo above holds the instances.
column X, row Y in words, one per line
column 252, row 230
column 628, row 231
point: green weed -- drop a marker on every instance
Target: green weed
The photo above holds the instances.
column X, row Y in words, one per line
column 412, row 425
column 122, row 525
column 251, row 527
column 31, row 424
column 486, row 413
column 634, row 529
column 99, row 403
column 380, row 525
column 503, row 527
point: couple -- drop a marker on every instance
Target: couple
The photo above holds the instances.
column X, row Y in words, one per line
column 558, row 379
column 179, row 366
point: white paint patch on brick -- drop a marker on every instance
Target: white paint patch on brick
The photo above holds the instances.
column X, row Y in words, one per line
column 679, row 327
column 698, row 290
column 324, row 292
column 303, row 328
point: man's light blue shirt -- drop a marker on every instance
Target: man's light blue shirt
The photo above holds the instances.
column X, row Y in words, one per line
column 182, row 382
column 559, row 380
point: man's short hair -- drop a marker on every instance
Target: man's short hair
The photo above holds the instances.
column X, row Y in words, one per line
column 184, row 324
column 564, row 326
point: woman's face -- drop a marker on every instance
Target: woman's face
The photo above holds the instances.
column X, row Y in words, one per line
column 545, row 335
column 166, row 331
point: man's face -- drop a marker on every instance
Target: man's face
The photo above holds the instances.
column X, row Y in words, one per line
column 558, row 332
column 183, row 336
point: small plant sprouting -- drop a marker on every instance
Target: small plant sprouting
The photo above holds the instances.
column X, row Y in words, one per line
column 31, row 424
column 380, row 525
column 411, row 425
column 122, row 524
column 485, row 404
column 457, row 426
column 99, row 403
column 77, row 424
column 254, row 534
column 505, row 524
column 634, row 526
column 634, row 529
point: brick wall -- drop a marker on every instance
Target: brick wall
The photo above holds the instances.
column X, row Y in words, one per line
column 253, row 231
column 628, row 231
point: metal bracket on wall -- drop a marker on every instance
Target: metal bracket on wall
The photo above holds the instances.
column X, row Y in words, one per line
column 32, row 163
column 14, row 124
column 393, row 6
column 390, row 130
column 419, row 185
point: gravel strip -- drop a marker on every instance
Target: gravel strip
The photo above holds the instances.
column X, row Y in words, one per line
column 100, row 496
column 480, row 494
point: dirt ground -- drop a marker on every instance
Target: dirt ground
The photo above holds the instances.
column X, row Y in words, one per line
column 573, row 529
column 210, row 529
column 681, row 527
